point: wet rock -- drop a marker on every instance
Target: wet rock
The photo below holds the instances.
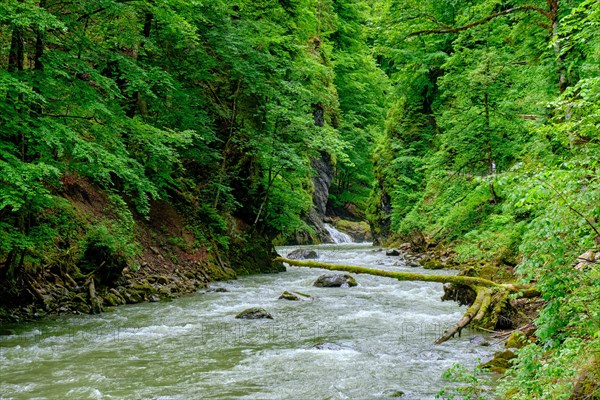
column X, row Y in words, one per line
column 336, row 280
column 144, row 286
column 432, row 263
column 189, row 274
column 217, row 290
column 111, row 299
column 159, row 279
column 392, row 253
column 294, row 296
column 479, row 341
column 83, row 309
column 132, row 296
column 303, row 254
column 330, row 346
column 154, row 298
column 254, row 313
column 80, row 298
column 393, row 394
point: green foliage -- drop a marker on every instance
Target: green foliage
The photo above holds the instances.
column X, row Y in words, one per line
column 361, row 86
column 212, row 106
column 474, row 384
column 550, row 373
column 491, row 148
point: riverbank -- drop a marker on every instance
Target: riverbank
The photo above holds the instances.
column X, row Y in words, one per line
column 518, row 314
column 169, row 264
column 367, row 341
column 105, row 259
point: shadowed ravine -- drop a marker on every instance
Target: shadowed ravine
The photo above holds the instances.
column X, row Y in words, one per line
column 377, row 339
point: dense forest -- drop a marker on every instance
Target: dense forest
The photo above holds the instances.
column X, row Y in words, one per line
column 151, row 135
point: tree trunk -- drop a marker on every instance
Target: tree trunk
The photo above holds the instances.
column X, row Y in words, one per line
column 16, row 55
column 484, row 312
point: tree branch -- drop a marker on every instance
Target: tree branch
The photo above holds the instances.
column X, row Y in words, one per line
column 482, row 21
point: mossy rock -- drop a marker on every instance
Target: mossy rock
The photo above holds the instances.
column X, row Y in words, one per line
column 80, row 298
column 96, row 306
column 501, row 361
column 394, row 394
column 218, row 273
column 144, row 286
column 189, row 274
column 132, row 296
column 516, row 340
column 294, row 296
column 432, row 263
column 111, row 299
column 158, row 279
column 254, row 313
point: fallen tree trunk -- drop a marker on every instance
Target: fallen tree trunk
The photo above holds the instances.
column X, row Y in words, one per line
column 484, row 311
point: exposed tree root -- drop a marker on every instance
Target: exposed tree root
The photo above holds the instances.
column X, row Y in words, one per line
column 472, row 312
column 491, row 297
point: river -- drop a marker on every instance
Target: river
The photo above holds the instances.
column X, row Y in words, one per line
column 365, row 342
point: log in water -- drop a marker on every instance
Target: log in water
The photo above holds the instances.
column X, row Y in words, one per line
column 364, row 342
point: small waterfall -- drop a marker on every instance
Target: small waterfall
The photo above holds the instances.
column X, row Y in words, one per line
column 337, row 236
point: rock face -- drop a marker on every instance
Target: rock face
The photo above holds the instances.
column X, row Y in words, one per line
column 303, row 254
column 336, row 280
column 360, row 231
column 323, row 167
column 254, row 313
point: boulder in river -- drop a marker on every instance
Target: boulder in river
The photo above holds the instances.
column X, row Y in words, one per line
column 294, row 296
column 254, row 313
column 479, row 341
column 303, row 254
column 335, row 280
column 392, row 253
column 330, row 346
column 394, row 394
column 217, row 290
